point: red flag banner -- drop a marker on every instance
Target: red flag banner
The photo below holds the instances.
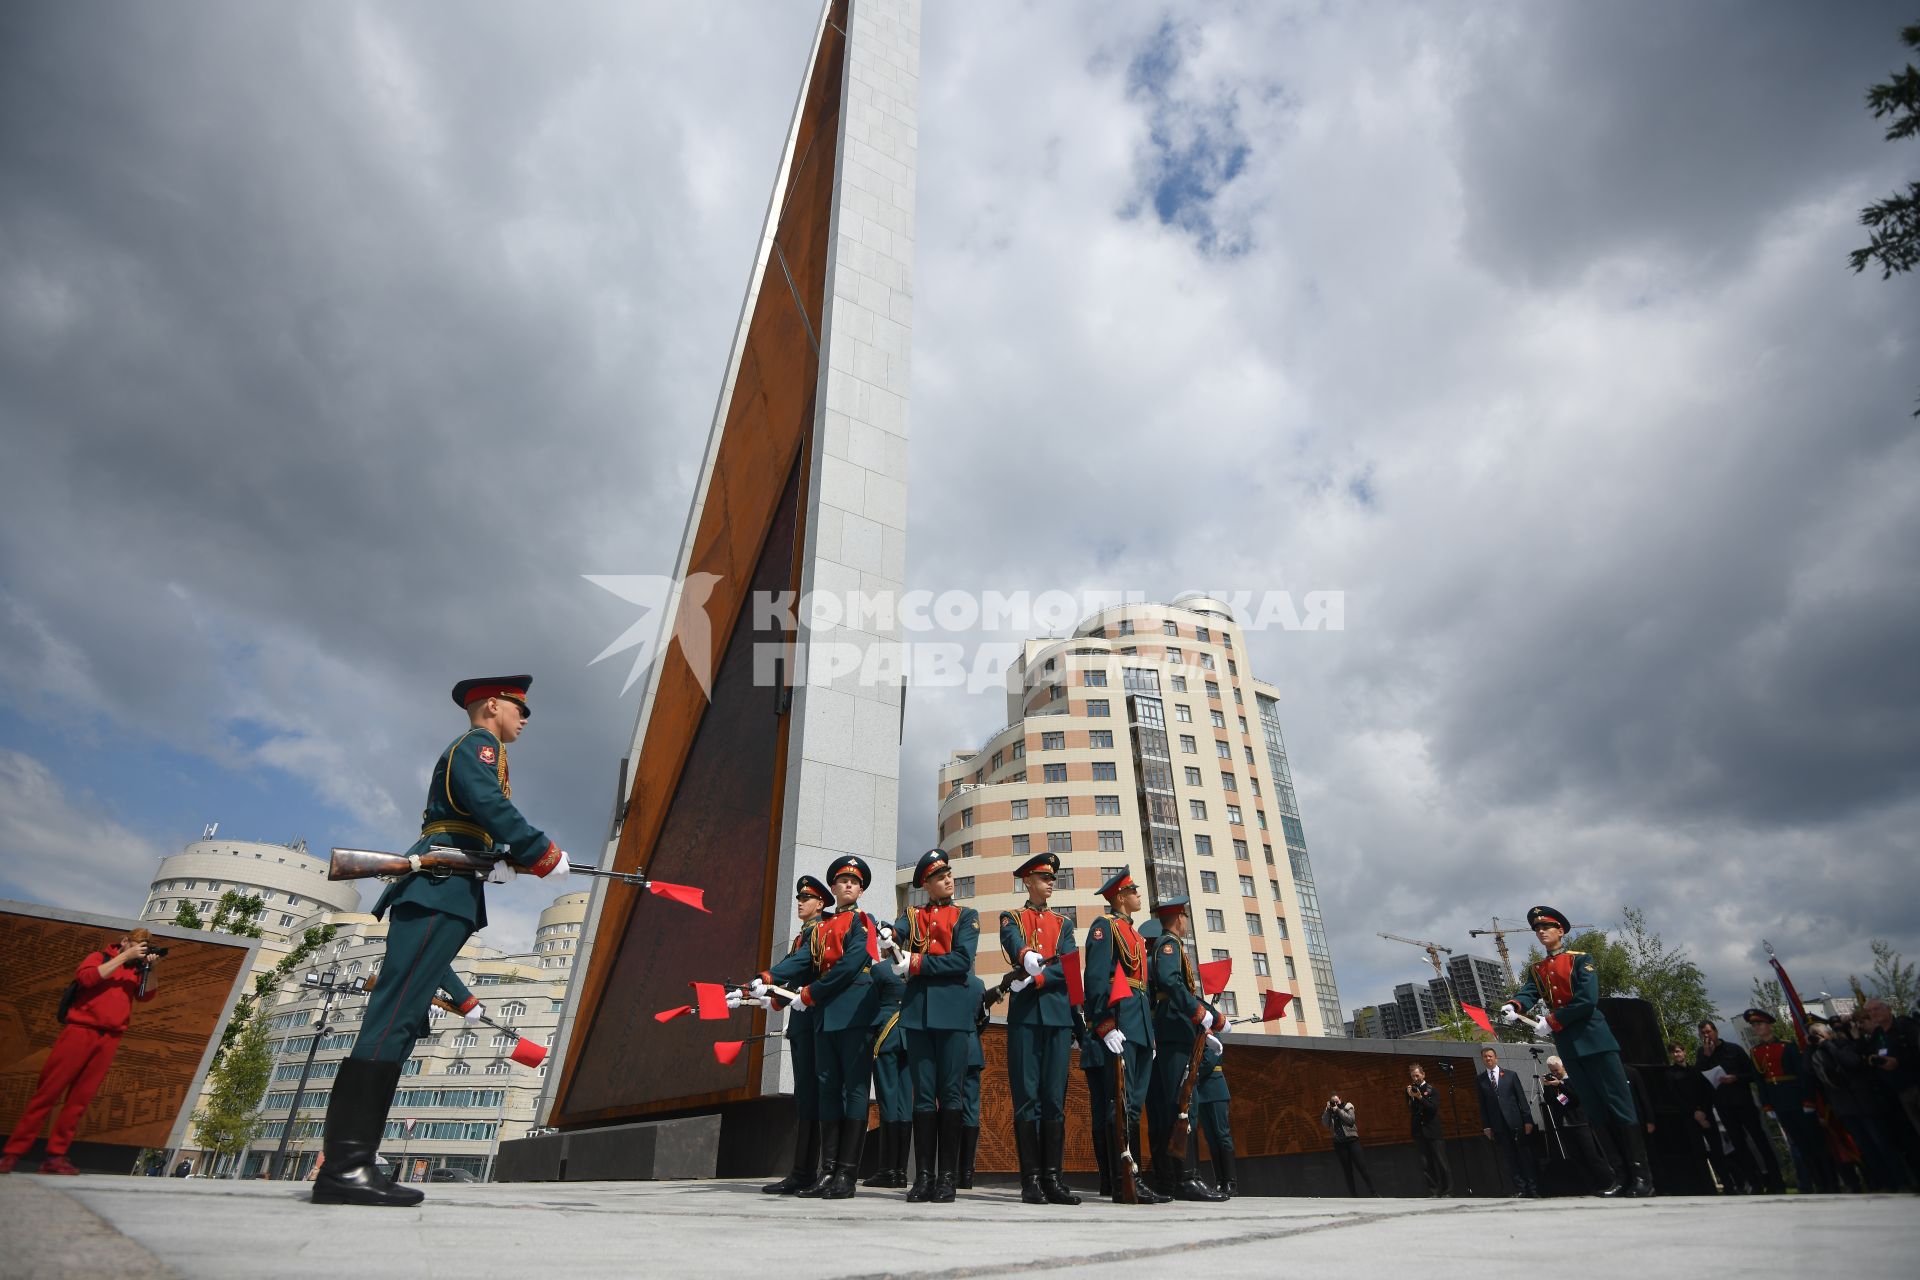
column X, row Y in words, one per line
column 1795, row 1010
column 711, row 999
column 1076, row 982
column 685, row 894
column 528, row 1054
column 725, row 1051
column 1275, row 1005
column 668, row 1015
column 1122, row 989
column 1215, row 974
column 1478, row 1015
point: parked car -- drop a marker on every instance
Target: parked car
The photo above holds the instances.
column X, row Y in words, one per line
column 451, row 1175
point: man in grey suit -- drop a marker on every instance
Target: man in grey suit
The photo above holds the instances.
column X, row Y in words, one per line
column 1505, row 1119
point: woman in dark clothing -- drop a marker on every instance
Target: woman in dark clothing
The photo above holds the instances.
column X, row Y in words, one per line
column 1560, row 1108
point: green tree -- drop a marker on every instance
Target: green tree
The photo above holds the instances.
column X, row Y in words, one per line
column 230, row 1117
column 1894, row 223
column 238, row 913
column 185, row 917
column 1768, row 994
column 1892, row 981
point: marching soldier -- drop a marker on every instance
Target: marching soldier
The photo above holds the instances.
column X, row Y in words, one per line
column 1568, row 983
column 935, row 945
column 832, row 979
column 892, row 1086
column 1179, row 1020
column 1211, row 1101
column 1120, row 1032
column 810, row 899
column 1039, row 1032
column 469, row 806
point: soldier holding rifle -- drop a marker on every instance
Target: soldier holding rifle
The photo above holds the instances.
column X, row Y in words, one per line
column 1039, row 1032
column 1182, row 1029
column 933, row 948
column 1121, row 1039
column 433, row 913
column 810, row 899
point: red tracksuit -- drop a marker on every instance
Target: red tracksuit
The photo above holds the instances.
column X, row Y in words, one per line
column 81, row 1054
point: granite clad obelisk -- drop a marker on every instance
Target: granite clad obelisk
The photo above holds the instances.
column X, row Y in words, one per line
column 803, row 490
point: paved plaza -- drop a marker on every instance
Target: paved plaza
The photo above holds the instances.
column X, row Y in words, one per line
column 134, row 1228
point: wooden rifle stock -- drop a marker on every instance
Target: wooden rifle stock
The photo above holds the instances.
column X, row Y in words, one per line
column 1183, row 1125
column 1125, row 1189
column 363, row 864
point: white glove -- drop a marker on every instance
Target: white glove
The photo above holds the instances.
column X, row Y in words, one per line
column 1020, row 984
column 757, row 988
column 1206, row 1020
column 501, row 872
column 561, row 870
column 476, row 1013
column 903, row 961
column 1213, row 1043
column 1511, row 1016
column 1032, row 963
column 737, row 998
column 765, row 1002
column 1114, row 1041
column 886, row 937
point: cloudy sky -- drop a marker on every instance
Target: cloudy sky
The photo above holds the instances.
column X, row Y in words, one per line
column 338, row 342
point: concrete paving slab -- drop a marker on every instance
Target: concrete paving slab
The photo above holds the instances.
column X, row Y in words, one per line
column 217, row 1229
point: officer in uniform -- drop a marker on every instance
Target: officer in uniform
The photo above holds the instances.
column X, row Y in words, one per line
column 1210, row 1100
column 1568, row 983
column 810, row 899
column 934, row 947
column 833, row 979
column 892, row 1086
column 1039, row 1032
column 1120, row 1032
column 469, row 806
column 1782, row 1074
column 1179, row 1020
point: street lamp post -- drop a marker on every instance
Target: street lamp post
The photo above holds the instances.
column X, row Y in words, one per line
column 330, row 983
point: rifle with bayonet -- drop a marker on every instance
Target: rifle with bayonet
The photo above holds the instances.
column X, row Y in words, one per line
column 364, row 864
column 1182, row 1126
column 1125, row 1189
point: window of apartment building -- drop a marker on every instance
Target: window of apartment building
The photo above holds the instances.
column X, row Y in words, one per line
column 1105, row 771
column 1124, row 627
column 1059, row 842
column 1209, row 882
column 1020, row 843
column 1099, row 707
column 963, row 886
column 1232, row 669
column 1261, row 814
column 1260, row 969
column 966, row 817
column 1017, row 751
column 286, row 920
column 1217, row 720
column 1177, row 683
column 1197, row 809
column 1206, row 663
column 999, row 758
column 1241, row 702
column 1054, row 741
column 1182, row 713
column 1019, row 808
column 1240, row 850
column 1253, row 783
column 1229, row 1005
column 1169, row 628
column 1229, row 783
column 1253, row 923
column 1147, row 711
column 1058, row 807
column 1109, row 805
column 1155, row 777
column 966, row 848
column 1056, row 692
column 1274, row 886
column 1216, row 921
column 1220, row 953
column 1053, row 773
column 498, row 1067
column 1203, row 633
column 1233, row 815
column 1174, row 657
column 1222, row 750
column 1140, row 679
column 1189, row 744
column 1063, row 879
column 1193, row 776
column 1097, row 679
column 1291, row 975
column 1049, row 666
column 1110, row 842
column 1108, row 873
column 1281, row 923
column 1203, row 845
column 1100, row 739
column 1246, row 886
column 1268, row 850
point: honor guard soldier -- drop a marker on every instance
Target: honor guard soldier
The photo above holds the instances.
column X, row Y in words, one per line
column 892, row 1086
column 1211, row 1103
column 1039, row 1032
column 1120, row 1032
column 834, row 981
column 934, row 946
column 431, row 916
column 1567, row 982
column 810, row 899
column 983, row 1002
column 1180, row 1021
column 1782, row 1075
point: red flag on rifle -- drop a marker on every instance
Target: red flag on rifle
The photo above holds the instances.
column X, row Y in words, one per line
column 668, row 1015
column 1076, row 983
column 1478, row 1015
column 1214, row 975
column 725, row 1051
column 528, row 1054
column 685, row 894
column 1275, row 1005
column 711, row 999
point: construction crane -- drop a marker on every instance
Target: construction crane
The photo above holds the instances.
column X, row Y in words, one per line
column 1499, row 937
column 1434, row 951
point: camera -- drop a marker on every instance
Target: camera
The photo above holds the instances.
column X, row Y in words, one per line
column 154, row 953
column 1445, row 1066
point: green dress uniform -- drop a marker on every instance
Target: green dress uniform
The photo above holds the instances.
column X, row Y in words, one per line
column 1177, row 1018
column 430, row 917
column 834, row 979
column 937, row 942
column 1781, row 1072
column 1567, row 981
column 806, row 1072
column 1113, row 942
column 1212, row 1101
column 1036, row 941
column 976, row 1064
column 892, row 1086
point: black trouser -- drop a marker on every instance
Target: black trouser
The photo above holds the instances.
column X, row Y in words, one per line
column 1433, row 1159
column 1348, row 1151
column 1583, row 1148
column 1519, row 1157
column 1750, row 1140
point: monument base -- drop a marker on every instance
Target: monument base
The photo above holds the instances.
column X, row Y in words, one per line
column 740, row 1140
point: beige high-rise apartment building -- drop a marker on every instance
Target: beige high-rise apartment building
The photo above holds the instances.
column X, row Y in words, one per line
column 1145, row 741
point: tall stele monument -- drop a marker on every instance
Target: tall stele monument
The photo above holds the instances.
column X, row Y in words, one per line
column 803, row 489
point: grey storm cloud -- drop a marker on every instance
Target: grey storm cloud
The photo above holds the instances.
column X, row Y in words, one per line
column 338, row 343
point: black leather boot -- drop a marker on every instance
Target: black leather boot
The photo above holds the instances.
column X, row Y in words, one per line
column 883, row 1163
column 356, row 1119
column 1143, row 1180
column 1223, row 1173
column 1053, row 1154
column 1633, row 1149
column 1101, row 1159
column 949, row 1170
column 806, row 1159
column 1186, row 1171
column 902, row 1139
column 853, row 1136
column 969, row 1146
column 829, row 1161
column 1025, row 1145
column 926, row 1141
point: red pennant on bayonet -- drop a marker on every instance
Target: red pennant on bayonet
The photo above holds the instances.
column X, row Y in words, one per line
column 1478, row 1015
column 1076, row 983
column 528, row 1054
column 1214, row 975
column 685, row 894
column 668, row 1015
column 711, row 998
column 1122, row 989
column 1275, row 1005
column 725, row 1051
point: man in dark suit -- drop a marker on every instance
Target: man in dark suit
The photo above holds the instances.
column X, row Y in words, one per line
column 1505, row 1120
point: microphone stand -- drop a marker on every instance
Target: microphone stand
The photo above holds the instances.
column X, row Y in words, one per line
column 1453, row 1101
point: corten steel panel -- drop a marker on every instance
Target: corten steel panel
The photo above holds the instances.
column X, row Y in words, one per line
column 153, row 1072
column 767, row 421
column 1278, row 1093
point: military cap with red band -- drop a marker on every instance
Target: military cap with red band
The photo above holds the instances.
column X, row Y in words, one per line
column 1038, row 862
column 479, row 689
column 809, row 886
column 1537, row 914
column 1118, row 881
column 1171, row 907
column 850, row 863
column 932, row 861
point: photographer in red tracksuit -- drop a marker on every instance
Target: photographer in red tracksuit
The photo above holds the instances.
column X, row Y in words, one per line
column 109, row 982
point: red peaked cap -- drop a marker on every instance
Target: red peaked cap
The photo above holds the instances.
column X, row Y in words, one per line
column 479, row 689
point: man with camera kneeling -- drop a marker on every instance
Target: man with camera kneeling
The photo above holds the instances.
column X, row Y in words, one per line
column 96, row 1011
